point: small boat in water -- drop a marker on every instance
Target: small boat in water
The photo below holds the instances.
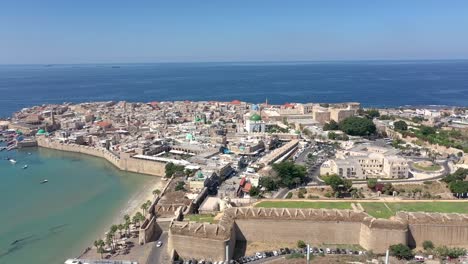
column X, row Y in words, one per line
column 12, row 161
column 44, row 181
column 25, row 166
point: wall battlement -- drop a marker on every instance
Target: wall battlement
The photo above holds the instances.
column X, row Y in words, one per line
column 317, row 226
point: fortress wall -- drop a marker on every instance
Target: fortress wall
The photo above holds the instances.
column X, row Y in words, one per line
column 442, row 229
column 449, row 235
column 198, row 248
column 379, row 239
column 283, row 230
column 143, row 166
column 125, row 163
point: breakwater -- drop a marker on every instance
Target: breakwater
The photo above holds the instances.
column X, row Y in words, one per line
column 123, row 161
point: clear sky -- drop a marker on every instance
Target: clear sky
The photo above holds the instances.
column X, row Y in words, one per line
column 89, row 31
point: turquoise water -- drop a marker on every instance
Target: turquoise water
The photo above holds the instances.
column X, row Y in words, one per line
column 57, row 220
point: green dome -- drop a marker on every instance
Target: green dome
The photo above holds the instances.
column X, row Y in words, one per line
column 255, row 117
column 189, row 136
column 41, row 132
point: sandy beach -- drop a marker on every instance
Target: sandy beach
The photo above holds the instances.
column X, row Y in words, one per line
column 134, row 204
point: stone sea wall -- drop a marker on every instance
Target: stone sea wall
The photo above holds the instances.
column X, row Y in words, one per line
column 123, row 162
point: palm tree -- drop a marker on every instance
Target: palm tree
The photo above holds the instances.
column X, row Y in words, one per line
column 138, row 217
column 144, row 207
column 127, row 227
column 156, row 192
column 99, row 244
column 126, row 218
column 110, row 240
column 120, row 227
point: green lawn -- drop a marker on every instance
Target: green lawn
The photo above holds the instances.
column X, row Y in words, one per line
column 375, row 209
column 437, row 207
column 200, row 218
column 303, row 204
column 433, row 167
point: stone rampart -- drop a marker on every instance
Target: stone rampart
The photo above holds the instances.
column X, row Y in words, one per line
column 123, row 162
column 316, row 226
column 441, row 229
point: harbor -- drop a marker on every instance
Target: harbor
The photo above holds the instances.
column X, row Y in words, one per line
column 78, row 216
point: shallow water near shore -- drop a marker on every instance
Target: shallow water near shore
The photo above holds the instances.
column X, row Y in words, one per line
column 47, row 223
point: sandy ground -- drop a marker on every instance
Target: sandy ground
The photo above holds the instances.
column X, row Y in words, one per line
column 131, row 208
column 133, row 205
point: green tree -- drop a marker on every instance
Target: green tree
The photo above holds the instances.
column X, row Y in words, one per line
column 372, row 183
column 401, row 251
column 301, row 244
column 144, row 207
column 426, row 131
column 334, row 181
column 287, row 172
column 156, row 192
column 332, row 125
column 269, row 183
column 357, row 126
column 99, row 244
column 372, row 113
column 138, row 218
column 180, row 186
column 400, row 125
column 445, row 251
column 172, row 168
column 289, row 195
column 427, row 245
column 254, row 191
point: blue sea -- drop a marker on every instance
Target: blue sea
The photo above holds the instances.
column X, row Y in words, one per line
column 373, row 83
column 48, row 223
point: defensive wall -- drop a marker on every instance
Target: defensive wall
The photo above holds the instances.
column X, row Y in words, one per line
column 124, row 161
column 316, row 226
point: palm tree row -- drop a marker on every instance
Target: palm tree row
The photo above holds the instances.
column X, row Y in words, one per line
column 110, row 236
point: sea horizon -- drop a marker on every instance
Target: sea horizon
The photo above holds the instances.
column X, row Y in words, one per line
column 381, row 84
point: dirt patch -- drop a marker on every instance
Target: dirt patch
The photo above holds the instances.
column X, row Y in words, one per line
column 313, row 192
column 253, row 247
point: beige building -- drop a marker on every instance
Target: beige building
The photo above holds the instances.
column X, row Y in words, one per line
column 367, row 161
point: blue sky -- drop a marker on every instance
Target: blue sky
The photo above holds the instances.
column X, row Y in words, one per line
column 93, row 31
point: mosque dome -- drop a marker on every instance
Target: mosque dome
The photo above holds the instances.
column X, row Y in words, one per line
column 41, row 132
column 255, row 117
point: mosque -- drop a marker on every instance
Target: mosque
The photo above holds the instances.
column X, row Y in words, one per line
column 253, row 120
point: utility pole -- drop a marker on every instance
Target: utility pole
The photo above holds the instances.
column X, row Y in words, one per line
column 227, row 252
column 308, row 253
column 386, row 256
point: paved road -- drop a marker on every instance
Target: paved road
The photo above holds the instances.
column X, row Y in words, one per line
column 281, row 193
column 158, row 255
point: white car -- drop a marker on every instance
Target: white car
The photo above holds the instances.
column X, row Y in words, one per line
column 159, row 244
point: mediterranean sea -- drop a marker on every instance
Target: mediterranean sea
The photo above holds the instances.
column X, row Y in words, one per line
column 373, row 83
column 48, row 223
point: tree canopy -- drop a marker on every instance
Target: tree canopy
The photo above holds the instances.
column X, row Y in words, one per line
column 336, row 182
column 332, row 125
column 401, row 251
column 357, row 126
column 172, row 168
column 289, row 174
column 400, row 125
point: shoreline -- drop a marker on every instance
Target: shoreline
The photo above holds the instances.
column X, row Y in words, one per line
column 130, row 207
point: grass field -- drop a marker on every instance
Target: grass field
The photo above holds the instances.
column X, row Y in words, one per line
column 200, row 218
column 433, row 167
column 375, row 209
column 299, row 204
